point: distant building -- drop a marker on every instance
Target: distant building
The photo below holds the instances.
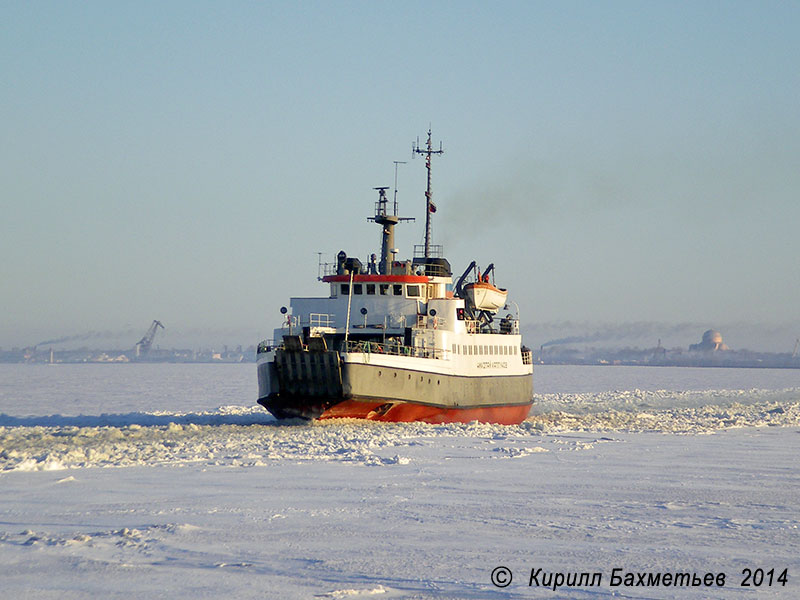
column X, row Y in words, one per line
column 712, row 342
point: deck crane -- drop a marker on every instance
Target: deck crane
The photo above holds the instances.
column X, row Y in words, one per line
column 143, row 345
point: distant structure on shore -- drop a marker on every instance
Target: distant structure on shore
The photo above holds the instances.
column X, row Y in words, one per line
column 142, row 347
column 710, row 352
column 142, row 351
column 712, row 342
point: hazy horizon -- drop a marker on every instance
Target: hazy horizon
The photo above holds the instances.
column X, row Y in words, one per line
column 763, row 337
column 618, row 162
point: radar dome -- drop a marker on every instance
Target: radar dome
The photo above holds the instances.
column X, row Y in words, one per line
column 712, row 337
column 712, row 341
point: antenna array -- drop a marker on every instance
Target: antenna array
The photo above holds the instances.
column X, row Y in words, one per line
column 430, row 207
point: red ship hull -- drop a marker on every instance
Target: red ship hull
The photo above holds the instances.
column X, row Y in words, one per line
column 399, row 412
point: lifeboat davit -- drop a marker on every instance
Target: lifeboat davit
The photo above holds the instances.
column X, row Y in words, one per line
column 484, row 296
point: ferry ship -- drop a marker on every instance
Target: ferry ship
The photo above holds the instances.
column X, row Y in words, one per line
column 398, row 340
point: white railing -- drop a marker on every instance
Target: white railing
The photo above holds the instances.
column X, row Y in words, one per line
column 325, row 269
column 429, row 322
column 434, row 251
column 395, row 350
column 320, row 320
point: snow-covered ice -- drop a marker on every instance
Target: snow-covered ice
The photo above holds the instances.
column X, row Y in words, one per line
column 143, row 481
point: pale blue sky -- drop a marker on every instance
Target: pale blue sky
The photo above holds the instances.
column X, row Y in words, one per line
column 185, row 161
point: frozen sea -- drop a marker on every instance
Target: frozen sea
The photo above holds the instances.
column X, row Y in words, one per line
column 167, row 481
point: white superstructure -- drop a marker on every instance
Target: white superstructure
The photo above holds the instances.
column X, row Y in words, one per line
column 396, row 340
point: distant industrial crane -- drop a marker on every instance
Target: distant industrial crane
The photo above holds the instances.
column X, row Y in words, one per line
column 143, row 345
column 796, row 346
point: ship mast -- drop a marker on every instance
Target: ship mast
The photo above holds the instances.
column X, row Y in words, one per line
column 387, row 221
column 430, row 207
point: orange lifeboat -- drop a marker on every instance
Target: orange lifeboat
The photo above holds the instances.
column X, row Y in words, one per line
column 485, row 296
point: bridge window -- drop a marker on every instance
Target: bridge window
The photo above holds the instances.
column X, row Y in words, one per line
column 397, row 289
column 370, row 289
column 412, row 291
column 345, row 289
column 358, row 289
column 384, row 288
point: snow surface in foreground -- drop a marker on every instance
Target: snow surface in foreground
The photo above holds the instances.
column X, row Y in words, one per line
column 433, row 521
column 225, row 502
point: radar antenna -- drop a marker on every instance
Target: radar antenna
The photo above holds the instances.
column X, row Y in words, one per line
column 430, row 207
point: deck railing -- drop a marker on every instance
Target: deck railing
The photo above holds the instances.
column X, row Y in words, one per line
column 395, row 349
column 429, row 322
column 321, row 320
column 267, row 346
column 388, row 348
column 325, row 269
